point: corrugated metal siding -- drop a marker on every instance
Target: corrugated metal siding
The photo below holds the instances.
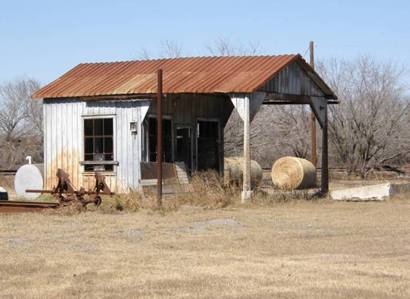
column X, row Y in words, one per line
column 181, row 75
column 293, row 80
column 63, row 140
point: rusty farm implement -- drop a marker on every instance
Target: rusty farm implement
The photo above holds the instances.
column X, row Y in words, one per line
column 67, row 194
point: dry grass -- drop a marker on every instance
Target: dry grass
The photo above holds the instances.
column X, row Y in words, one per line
column 7, row 182
column 309, row 249
column 208, row 191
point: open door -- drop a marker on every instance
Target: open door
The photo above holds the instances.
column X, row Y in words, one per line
column 208, row 145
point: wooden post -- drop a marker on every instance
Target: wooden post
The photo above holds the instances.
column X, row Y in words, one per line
column 246, row 192
column 159, row 137
column 324, row 188
column 312, row 115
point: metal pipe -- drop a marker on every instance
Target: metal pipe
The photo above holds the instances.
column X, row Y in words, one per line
column 159, row 137
column 75, row 192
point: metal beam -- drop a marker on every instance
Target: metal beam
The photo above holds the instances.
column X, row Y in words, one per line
column 272, row 98
column 319, row 108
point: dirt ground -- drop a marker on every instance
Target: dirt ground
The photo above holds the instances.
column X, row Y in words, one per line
column 303, row 249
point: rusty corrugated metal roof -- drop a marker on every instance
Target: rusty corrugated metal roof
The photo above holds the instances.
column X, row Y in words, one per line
column 242, row 74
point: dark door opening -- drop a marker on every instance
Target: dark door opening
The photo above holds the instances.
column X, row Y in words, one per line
column 208, row 145
column 152, row 140
column 183, row 151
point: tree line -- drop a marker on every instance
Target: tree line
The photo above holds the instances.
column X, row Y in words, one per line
column 21, row 123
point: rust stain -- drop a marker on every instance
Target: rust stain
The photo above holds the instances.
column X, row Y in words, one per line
column 69, row 161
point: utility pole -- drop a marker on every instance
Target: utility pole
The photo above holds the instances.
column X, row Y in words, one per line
column 312, row 115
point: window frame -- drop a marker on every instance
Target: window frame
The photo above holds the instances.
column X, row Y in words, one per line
column 113, row 162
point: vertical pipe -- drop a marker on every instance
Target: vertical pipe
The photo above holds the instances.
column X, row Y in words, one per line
column 312, row 115
column 325, row 159
column 159, row 138
column 246, row 193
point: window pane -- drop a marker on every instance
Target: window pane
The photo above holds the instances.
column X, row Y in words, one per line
column 88, row 127
column 108, row 126
column 98, row 145
column 88, row 146
column 108, row 145
column 88, row 167
column 108, row 157
column 88, row 157
column 109, row 167
column 98, row 127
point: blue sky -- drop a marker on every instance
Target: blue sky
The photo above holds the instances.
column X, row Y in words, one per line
column 43, row 39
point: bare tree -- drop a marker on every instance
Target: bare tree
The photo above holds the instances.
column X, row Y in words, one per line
column 144, row 54
column 291, row 124
column 170, row 49
column 276, row 131
column 20, row 122
column 369, row 128
column 167, row 49
column 225, row 47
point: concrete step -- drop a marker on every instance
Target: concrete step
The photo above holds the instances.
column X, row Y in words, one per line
column 181, row 173
column 371, row 192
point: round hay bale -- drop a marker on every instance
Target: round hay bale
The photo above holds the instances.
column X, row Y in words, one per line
column 29, row 176
column 233, row 171
column 289, row 173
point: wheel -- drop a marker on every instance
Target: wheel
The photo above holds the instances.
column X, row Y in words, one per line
column 97, row 200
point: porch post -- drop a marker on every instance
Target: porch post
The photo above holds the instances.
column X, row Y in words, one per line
column 247, row 106
column 246, row 192
column 325, row 158
column 319, row 107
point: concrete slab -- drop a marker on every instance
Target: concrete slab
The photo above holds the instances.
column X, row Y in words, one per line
column 371, row 192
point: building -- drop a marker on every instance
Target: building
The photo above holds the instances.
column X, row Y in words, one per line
column 101, row 116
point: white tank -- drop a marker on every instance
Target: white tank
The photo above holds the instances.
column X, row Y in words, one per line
column 29, row 176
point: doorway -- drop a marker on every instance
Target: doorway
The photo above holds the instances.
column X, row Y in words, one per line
column 166, row 141
column 183, row 150
column 208, row 145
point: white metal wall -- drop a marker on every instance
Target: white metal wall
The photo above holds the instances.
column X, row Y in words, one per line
column 63, row 140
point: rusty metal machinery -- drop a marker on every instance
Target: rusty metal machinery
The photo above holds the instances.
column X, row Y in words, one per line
column 66, row 193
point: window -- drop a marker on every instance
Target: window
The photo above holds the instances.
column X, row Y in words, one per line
column 98, row 143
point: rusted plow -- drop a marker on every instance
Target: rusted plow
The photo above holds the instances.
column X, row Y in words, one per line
column 66, row 194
